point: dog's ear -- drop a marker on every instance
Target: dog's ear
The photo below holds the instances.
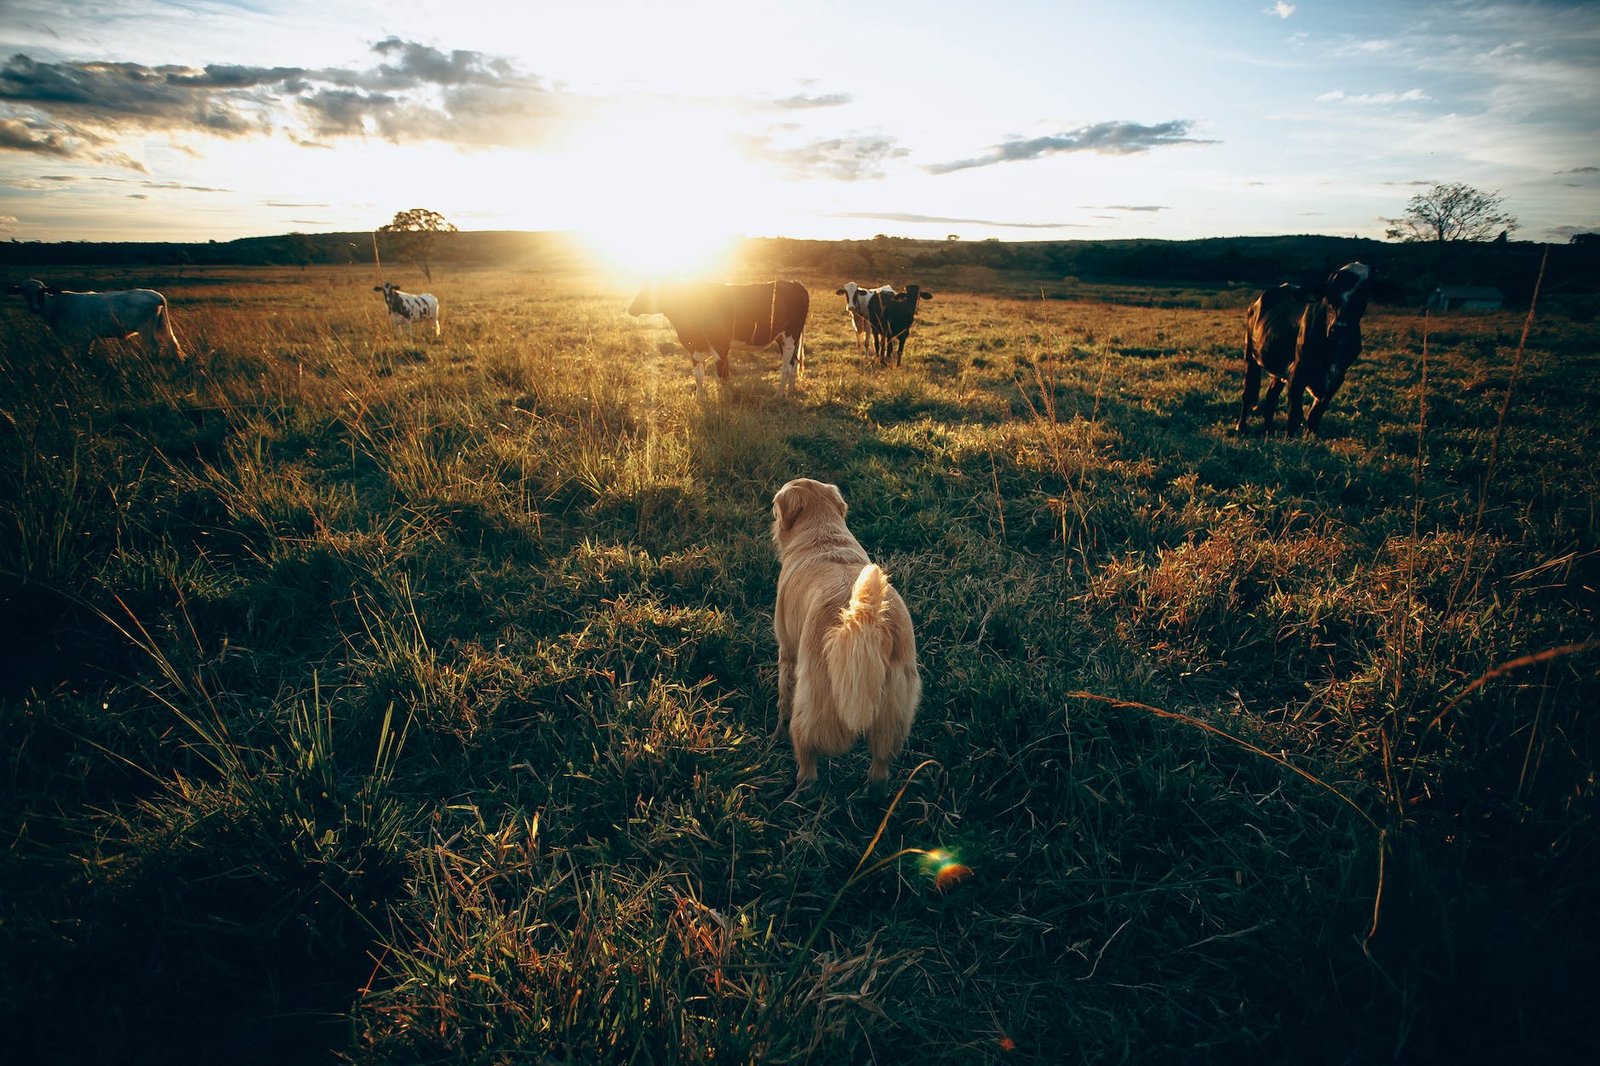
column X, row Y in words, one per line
column 838, row 497
column 787, row 505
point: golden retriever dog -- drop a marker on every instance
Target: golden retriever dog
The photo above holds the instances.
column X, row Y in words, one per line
column 847, row 657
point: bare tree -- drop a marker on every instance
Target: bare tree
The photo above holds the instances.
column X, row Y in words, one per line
column 1452, row 212
column 414, row 231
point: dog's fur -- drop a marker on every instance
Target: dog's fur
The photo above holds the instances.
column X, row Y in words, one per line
column 847, row 656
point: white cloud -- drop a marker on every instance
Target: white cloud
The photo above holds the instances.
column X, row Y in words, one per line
column 1281, row 9
column 1410, row 96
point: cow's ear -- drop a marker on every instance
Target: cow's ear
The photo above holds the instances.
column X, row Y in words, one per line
column 52, row 290
column 925, row 294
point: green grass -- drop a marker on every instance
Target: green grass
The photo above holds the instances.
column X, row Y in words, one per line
column 399, row 700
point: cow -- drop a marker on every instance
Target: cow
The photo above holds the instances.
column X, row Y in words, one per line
column 891, row 315
column 711, row 316
column 407, row 308
column 855, row 302
column 79, row 318
column 1306, row 339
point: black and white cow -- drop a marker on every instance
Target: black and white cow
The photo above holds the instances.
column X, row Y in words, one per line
column 1306, row 339
column 891, row 315
column 856, row 299
column 406, row 308
column 711, row 317
column 79, row 318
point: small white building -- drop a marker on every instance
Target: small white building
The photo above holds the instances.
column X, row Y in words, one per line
column 1466, row 298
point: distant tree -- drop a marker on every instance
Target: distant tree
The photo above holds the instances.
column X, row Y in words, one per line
column 414, row 232
column 1588, row 240
column 1452, row 212
column 953, row 237
column 301, row 250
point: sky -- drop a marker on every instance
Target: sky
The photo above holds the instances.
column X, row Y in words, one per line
column 660, row 123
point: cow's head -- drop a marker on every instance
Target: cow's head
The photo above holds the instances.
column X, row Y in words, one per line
column 915, row 292
column 648, row 302
column 33, row 293
column 1346, row 297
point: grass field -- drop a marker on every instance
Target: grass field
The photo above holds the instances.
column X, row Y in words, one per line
column 406, row 700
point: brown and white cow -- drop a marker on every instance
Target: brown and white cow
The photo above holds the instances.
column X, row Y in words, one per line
column 80, row 318
column 711, row 317
column 1305, row 339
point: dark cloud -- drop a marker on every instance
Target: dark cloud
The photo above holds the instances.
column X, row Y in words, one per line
column 944, row 220
column 859, row 158
column 1580, row 170
column 230, row 76
column 17, row 135
column 1566, row 233
column 1104, row 138
column 1133, row 207
column 416, row 64
column 412, row 92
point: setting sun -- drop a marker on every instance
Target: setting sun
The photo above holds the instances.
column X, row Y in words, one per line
column 663, row 191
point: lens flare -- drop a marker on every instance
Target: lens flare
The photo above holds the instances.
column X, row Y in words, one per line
column 945, row 868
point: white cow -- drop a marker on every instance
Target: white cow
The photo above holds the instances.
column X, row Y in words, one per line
column 407, row 308
column 856, row 299
column 78, row 318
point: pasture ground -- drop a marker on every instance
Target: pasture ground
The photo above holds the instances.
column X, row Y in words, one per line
column 401, row 700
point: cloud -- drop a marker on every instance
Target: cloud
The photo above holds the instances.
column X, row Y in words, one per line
column 1566, row 233
column 411, row 92
column 1580, row 170
column 1281, row 9
column 943, row 220
column 853, row 158
column 8, row 223
column 1410, row 96
column 19, row 136
column 1130, row 207
column 1104, row 138
column 802, row 101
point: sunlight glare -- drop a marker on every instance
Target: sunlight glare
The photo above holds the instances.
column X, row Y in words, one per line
column 661, row 195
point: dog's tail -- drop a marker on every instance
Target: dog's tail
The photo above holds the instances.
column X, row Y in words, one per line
column 857, row 650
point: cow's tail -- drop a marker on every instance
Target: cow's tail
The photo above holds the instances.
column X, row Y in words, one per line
column 164, row 326
column 856, row 650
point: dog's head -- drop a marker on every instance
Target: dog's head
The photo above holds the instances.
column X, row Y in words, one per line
column 802, row 500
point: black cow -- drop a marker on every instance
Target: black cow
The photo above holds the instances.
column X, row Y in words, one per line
column 710, row 317
column 891, row 315
column 1304, row 338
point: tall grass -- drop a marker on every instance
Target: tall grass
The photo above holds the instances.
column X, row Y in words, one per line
column 410, row 700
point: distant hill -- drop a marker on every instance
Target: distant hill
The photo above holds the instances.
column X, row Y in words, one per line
column 1404, row 273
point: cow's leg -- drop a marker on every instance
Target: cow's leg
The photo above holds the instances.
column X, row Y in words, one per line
column 1297, row 392
column 1252, row 390
column 789, row 353
column 700, row 370
column 1314, row 416
column 1269, row 403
